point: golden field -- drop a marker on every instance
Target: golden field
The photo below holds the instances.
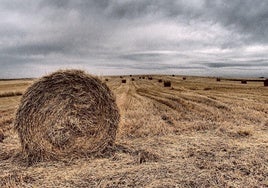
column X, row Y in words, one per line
column 197, row 133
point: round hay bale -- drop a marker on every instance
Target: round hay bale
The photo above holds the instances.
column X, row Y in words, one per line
column 243, row 81
column 167, row 83
column 124, row 81
column 265, row 82
column 65, row 114
column 183, row 78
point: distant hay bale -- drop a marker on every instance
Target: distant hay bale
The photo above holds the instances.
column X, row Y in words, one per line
column 184, row 78
column 150, row 78
column 121, row 76
column 218, row 79
column 106, row 79
column 132, row 79
column 243, row 82
column 143, row 77
column 173, row 75
column 160, row 80
column 265, row 82
column 139, row 77
column 130, row 75
column 68, row 113
column 167, row 83
column 124, row 81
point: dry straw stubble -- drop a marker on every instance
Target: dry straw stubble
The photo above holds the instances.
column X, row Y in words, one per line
column 65, row 114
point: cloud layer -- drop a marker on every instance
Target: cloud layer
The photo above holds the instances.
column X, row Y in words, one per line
column 198, row 37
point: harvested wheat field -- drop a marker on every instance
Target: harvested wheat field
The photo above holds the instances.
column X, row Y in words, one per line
column 196, row 133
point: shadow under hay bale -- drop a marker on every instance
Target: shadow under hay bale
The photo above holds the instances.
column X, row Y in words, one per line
column 2, row 136
column 66, row 114
column 265, row 82
column 140, row 156
column 167, row 83
column 243, row 82
column 124, row 81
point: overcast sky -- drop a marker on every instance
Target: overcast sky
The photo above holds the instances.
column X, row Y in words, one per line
column 189, row 37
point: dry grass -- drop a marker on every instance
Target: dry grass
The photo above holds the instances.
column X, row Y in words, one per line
column 201, row 133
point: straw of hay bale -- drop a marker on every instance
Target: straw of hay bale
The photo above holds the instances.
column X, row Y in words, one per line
column 65, row 114
column 243, row 82
column 167, row 83
column 265, row 82
column 124, row 81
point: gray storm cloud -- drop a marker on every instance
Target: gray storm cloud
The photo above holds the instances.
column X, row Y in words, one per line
column 198, row 37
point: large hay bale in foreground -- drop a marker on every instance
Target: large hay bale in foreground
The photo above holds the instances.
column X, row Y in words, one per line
column 65, row 114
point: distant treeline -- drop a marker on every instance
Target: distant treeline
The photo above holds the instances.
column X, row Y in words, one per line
column 12, row 79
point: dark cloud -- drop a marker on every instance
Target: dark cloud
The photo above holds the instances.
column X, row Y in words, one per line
column 108, row 36
column 235, row 64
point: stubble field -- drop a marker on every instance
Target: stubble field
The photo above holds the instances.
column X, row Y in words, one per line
column 197, row 133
